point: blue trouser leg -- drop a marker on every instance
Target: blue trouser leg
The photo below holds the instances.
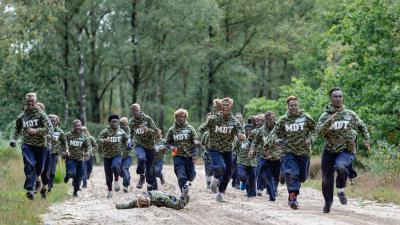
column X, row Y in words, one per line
column 222, row 167
column 33, row 158
column 53, row 167
column 85, row 174
column 184, row 170
column 272, row 177
column 89, row 167
column 262, row 175
column 126, row 175
column 46, row 168
column 207, row 163
column 150, row 178
column 247, row 175
column 116, row 165
column 141, row 160
column 108, row 172
column 80, row 172
column 331, row 162
column 158, row 166
column 234, row 171
column 260, row 180
column 70, row 168
column 295, row 169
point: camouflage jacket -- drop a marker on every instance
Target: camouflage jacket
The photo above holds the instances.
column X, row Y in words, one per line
column 160, row 143
column 221, row 132
column 243, row 155
column 265, row 150
column 138, row 136
column 117, row 140
column 294, row 130
column 36, row 119
column 58, row 141
column 94, row 144
column 127, row 151
column 78, row 145
column 182, row 137
column 340, row 133
column 159, row 199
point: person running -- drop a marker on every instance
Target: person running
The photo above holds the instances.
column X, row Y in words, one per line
column 92, row 158
column 247, row 164
column 181, row 139
column 126, row 156
column 33, row 126
column 112, row 139
column 294, row 133
column 235, row 149
column 77, row 150
column 222, row 128
column 159, row 199
column 143, row 132
column 58, row 141
column 160, row 148
column 338, row 126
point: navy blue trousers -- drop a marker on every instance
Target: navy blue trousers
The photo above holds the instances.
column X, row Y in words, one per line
column 34, row 158
column 145, row 165
column 53, row 167
column 247, row 175
column 88, row 169
column 270, row 170
column 295, row 168
column 46, row 168
column 112, row 167
column 260, row 180
column 158, row 166
column 184, row 170
column 222, row 167
column 76, row 170
column 207, row 163
column 126, row 175
column 341, row 163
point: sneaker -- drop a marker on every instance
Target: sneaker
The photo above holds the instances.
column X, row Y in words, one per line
column 237, row 185
column 140, row 182
column 75, row 194
column 259, row 193
column 43, row 192
column 327, row 208
column 293, row 204
column 110, row 194
column 84, row 185
column 208, row 179
column 214, row 184
column 342, row 198
column 162, row 179
column 66, row 179
column 116, row 186
column 219, row 197
column 125, row 189
column 242, row 186
column 30, row 195
column 272, row 198
column 282, row 179
column 185, row 190
column 38, row 185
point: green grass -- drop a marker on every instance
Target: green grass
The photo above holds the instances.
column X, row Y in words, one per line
column 15, row 208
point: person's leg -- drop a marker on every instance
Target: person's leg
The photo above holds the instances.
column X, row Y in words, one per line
column 291, row 169
column 243, row 176
column 207, row 168
column 85, row 174
column 80, row 172
column 262, row 176
column 89, row 167
column 53, row 167
column 218, row 168
column 276, row 170
column 29, row 169
column 190, row 169
column 46, row 172
column 328, row 172
column 235, row 182
column 126, row 175
column 227, row 157
column 150, row 178
column 116, row 165
column 270, row 180
column 141, row 165
column 260, row 180
column 252, row 181
column 180, row 171
column 108, row 173
column 343, row 163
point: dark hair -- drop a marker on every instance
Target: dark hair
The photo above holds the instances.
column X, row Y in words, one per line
column 248, row 125
column 334, row 89
column 113, row 117
column 291, row 98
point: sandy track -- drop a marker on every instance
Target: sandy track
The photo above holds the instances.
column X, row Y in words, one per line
column 93, row 208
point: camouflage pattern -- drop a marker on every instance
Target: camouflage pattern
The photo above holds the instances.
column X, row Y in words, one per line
column 138, row 136
column 159, row 199
column 78, row 145
column 258, row 147
column 340, row 133
column 243, row 154
column 182, row 137
column 221, row 132
column 271, row 151
column 58, row 141
column 119, row 140
column 126, row 152
column 159, row 144
column 36, row 119
column 235, row 146
column 94, row 144
column 265, row 150
column 294, row 130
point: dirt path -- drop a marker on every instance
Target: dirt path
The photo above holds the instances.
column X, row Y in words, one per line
column 93, row 208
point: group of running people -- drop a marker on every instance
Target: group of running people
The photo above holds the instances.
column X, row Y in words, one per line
column 256, row 155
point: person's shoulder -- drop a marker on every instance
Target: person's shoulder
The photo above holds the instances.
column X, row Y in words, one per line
column 350, row 112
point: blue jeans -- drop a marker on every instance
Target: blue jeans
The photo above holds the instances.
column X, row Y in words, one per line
column 112, row 166
column 158, row 166
column 295, row 168
column 270, row 170
column 247, row 175
column 126, row 175
column 53, row 167
column 207, row 163
column 234, row 171
column 260, row 180
column 34, row 158
column 222, row 167
column 184, row 170
column 330, row 162
column 146, row 165
column 75, row 170
column 46, row 168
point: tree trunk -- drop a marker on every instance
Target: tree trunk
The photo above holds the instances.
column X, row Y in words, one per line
column 122, row 94
column 94, row 83
column 110, row 102
column 66, row 67
column 263, row 77
column 269, row 79
column 134, row 68
column 211, row 80
column 81, row 75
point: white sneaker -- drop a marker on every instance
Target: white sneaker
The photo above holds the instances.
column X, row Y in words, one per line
column 110, row 194
column 117, row 187
column 125, row 189
column 219, row 197
column 214, row 184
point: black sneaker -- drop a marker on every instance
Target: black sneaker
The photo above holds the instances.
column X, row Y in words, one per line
column 342, row 198
column 140, row 182
column 43, row 192
column 327, row 208
column 66, row 179
column 75, row 194
column 293, row 204
column 30, row 195
column 282, row 179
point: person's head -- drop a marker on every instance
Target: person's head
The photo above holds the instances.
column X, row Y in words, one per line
column 143, row 201
column 251, row 120
column 124, row 121
column 259, row 120
column 30, row 101
column 85, row 130
column 135, row 109
column 54, row 120
column 217, row 105
column 77, row 125
column 293, row 105
column 180, row 116
column 336, row 96
column 227, row 104
column 247, row 129
column 40, row 106
column 113, row 121
column 239, row 116
column 269, row 118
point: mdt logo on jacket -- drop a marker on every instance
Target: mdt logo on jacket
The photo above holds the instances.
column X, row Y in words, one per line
column 30, row 123
column 294, row 127
column 223, row 129
column 115, row 139
column 338, row 125
column 139, row 131
column 75, row 143
column 180, row 137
